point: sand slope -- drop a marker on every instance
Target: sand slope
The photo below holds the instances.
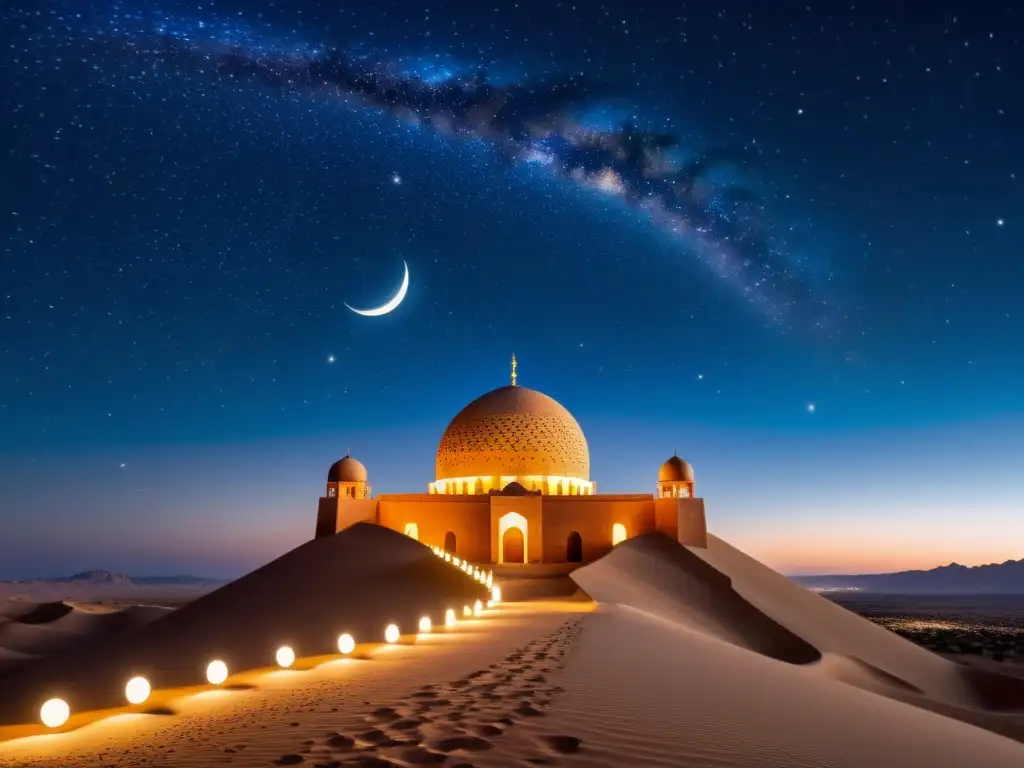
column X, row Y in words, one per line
column 31, row 631
column 728, row 599
column 639, row 690
column 357, row 581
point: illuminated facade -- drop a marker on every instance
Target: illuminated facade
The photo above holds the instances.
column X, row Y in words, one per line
column 512, row 485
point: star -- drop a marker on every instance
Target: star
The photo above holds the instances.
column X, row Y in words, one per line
column 396, row 179
column 330, row 358
column 1000, row 222
column 700, row 377
column 123, row 465
column 811, row 407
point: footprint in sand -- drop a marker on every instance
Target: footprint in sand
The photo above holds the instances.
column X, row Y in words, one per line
column 464, row 743
column 563, row 745
column 289, row 760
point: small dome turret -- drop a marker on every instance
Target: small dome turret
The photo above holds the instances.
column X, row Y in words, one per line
column 675, row 470
column 347, row 470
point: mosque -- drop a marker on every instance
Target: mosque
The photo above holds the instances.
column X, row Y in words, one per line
column 512, row 485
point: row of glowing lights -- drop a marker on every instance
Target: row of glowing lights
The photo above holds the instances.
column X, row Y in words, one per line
column 56, row 712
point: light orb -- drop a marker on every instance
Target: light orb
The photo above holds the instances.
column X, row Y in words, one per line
column 496, row 594
column 137, row 690
column 346, row 643
column 490, row 603
column 467, row 611
column 449, row 617
column 54, row 713
column 285, row 656
column 490, row 579
column 455, row 561
column 216, row 672
column 425, row 625
column 478, row 608
column 391, row 634
column 447, row 557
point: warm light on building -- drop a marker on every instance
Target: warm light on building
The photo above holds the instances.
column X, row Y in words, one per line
column 425, row 625
column 285, row 656
column 467, row 611
column 496, row 594
column 216, row 672
column 449, row 617
column 137, row 690
column 478, row 608
column 412, row 530
column 550, row 485
column 54, row 713
column 618, row 534
column 391, row 634
column 346, row 644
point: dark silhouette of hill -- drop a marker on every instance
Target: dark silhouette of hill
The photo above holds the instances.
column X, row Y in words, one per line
column 992, row 579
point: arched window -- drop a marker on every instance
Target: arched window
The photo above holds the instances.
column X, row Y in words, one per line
column 574, row 548
column 449, row 542
column 618, row 533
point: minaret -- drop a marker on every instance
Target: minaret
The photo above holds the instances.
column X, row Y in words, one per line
column 513, row 370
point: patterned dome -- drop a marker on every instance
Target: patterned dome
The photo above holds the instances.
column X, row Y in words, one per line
column 513, row 431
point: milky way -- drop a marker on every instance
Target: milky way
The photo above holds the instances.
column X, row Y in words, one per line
column 533, row 121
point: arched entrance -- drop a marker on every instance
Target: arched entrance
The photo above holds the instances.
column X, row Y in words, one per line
column 574, row 548
column 449, row 541
column 412, row 531
column 618, row 533
column 512, row 538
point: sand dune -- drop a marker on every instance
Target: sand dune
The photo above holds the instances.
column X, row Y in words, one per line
column 729, row 599
column 358, row 581
column 640, row 690
column 31, row 631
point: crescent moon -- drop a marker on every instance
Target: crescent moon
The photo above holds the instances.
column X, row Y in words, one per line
column 391, row 304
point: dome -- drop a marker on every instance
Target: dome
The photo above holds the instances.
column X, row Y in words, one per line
column 513, row 431
column 347, row 470
column 675, row 470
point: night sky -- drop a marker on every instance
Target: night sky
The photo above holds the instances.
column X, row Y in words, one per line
column 784, row 239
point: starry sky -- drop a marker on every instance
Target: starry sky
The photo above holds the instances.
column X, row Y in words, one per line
column 783, row 239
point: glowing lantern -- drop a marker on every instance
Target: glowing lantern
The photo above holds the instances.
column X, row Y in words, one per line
column 137, row 690
column 425, row 625
column 467, row 611
column 447, row 557
column 391, row 634
column 285, row 656
column 496, row 594
column 478, row 608
column 449, row 617
column 455, row 561
column 490, row 578
column 346, row 643
column 54, row 713
column 490, row 603
column 216, row 672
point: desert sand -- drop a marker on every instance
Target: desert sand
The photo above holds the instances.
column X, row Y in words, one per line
column 674, row 657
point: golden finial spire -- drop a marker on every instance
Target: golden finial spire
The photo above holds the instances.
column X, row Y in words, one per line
column 513, row 369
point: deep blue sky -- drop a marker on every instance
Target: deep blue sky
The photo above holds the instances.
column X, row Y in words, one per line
column 178, row 370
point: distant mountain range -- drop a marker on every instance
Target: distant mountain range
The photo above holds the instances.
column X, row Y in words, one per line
column 113, row 578
column 997, row 578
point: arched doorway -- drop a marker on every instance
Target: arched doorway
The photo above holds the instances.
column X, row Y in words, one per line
column 412, row 531
column 574, row 548
column 449, row 541
column 512, row 538
column 513, row 546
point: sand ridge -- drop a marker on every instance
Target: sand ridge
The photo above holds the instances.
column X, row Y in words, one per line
column 356, row 582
